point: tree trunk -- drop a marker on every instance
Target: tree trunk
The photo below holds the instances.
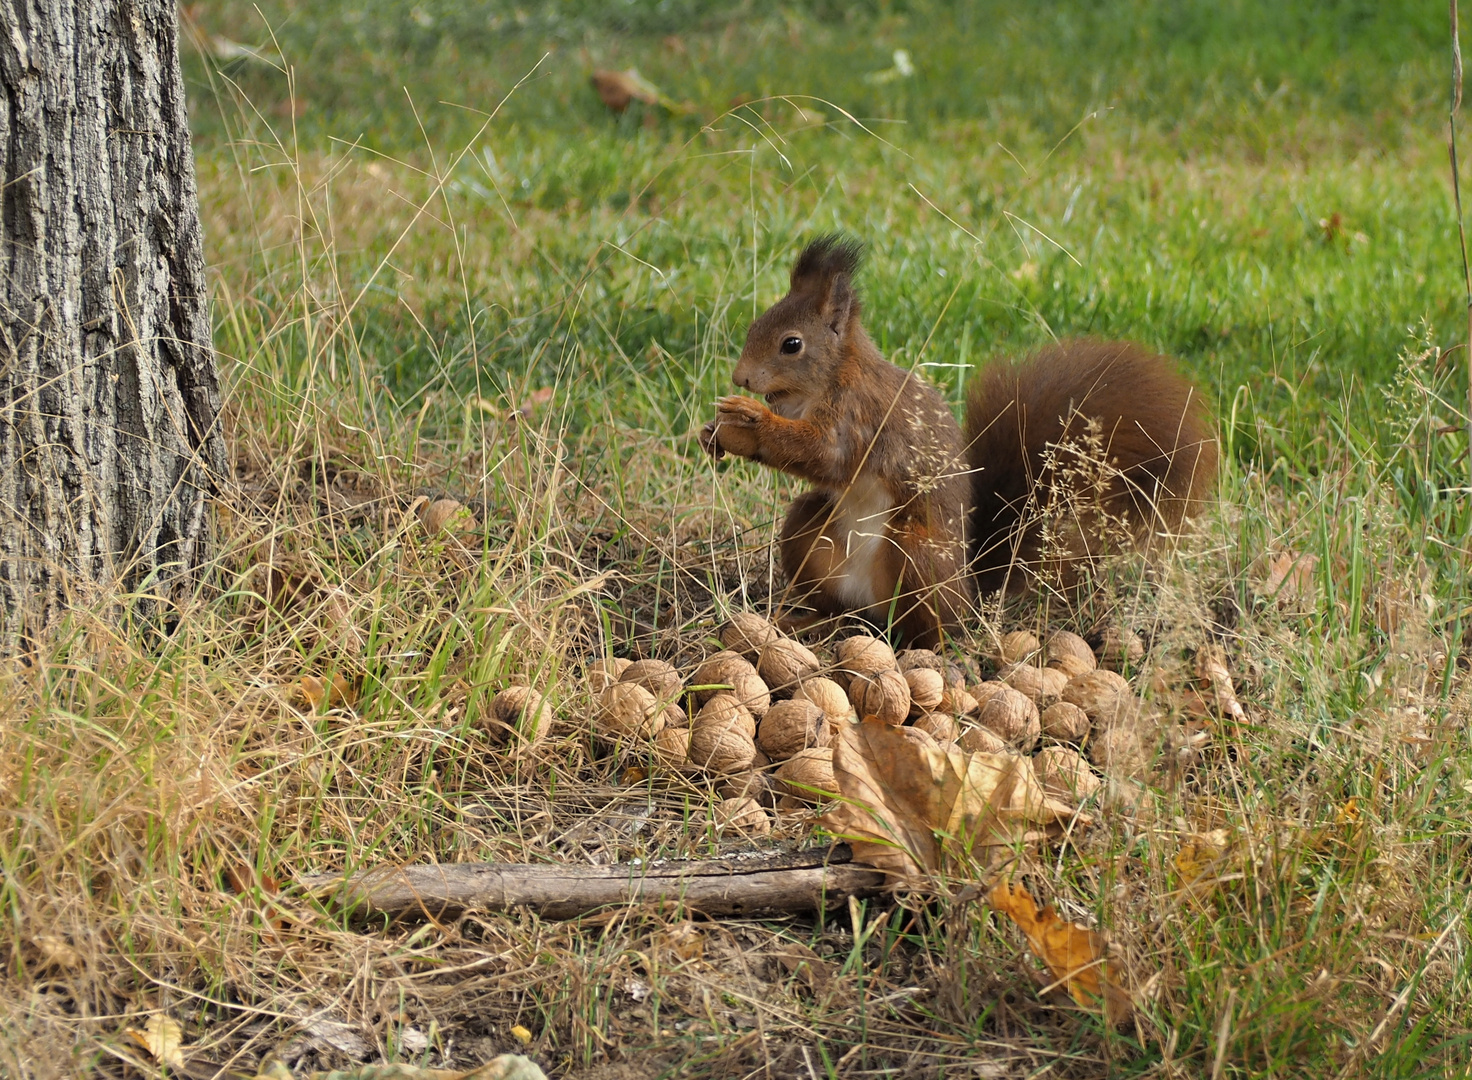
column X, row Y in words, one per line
column 109, row 399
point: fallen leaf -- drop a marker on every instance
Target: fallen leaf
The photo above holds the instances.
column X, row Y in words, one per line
column 446, row 515
column 531, row 403
column 1074, row 954
column 685, row 940
column 1290, row 580
column 320, row 696
column 1211, row 668
column 340, row 1036
column 162, row 1038
column 800, row 961
column 57, row 952
column 1199, row 858
column 617, row 89
column 913, row 811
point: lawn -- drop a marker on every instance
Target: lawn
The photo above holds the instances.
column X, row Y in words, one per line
column 444, row 269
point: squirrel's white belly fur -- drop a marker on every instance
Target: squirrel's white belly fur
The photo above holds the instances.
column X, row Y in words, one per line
column 861, row 526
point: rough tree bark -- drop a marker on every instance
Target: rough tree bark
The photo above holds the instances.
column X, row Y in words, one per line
column 109, row 398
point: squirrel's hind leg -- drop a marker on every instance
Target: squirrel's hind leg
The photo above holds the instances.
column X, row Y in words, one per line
column 812, row 558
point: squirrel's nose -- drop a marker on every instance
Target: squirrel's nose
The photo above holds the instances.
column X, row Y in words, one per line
column 741, row 380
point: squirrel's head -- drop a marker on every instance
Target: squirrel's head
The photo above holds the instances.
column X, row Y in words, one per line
column 793, row 350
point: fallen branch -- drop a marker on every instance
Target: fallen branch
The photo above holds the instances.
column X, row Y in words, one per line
column 752, row 886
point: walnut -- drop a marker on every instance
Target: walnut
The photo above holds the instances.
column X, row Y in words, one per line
column 826, row 695
column 742, row 815
column 1104, row 695
column 927, row 687
column 1069, row 653
column 862, row 655
column 1042, row 685
column 1013, row 717
column 747, row 633
column 1065, row 722
column 659, row 677
column 518, row 714
column 785, row 662
column 911, row 659
column 604, row 673
column 885, row 695
column 807, row 775
column 976, row 739
column 724, row 710
column 1063, row 771
column 1018, row 647
column 672, row 748
column 721, row 748
column 731, row 669
column 628, row 711
column 939, row 726
column 791, row 726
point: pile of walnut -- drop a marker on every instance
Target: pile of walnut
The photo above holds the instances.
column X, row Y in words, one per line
column 764, row 712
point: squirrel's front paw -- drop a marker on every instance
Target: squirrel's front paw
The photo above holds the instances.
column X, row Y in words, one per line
column 709, row 443
column 735, row 428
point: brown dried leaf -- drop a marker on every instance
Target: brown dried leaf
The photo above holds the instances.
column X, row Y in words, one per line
column 533, row 401
column 1211, row 669
column 1073, row 953
column 1290, row 580
column 617, row 89
column 913, row 810
column 800, row 961
column 446, row 515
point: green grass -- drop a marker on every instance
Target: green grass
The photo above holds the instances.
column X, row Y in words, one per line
column 449, row 222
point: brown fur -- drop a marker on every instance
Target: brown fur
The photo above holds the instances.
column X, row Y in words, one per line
column 1151, row 424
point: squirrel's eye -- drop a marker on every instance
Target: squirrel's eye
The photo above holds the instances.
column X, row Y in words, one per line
column 792, row 345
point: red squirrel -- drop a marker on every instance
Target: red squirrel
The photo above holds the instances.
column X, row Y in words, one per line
column 898, row 490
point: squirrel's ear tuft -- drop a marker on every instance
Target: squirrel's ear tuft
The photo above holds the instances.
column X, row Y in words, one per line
column 825, row 269
column 824, row 259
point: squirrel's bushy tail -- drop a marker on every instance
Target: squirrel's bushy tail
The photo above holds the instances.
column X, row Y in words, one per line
column 1082, row 447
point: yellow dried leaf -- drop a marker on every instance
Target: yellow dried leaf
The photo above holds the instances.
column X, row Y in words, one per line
column 319, row 695
column 162, row 1038
column 685, row 940
column 56, row 952
column 1211, row 668
column 1074, row 954
column 913, row 810
column 1198, row 858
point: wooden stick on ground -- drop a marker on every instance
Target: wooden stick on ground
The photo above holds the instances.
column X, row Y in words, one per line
column 751, row 886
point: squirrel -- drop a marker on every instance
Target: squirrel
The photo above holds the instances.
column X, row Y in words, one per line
column 909, row 518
